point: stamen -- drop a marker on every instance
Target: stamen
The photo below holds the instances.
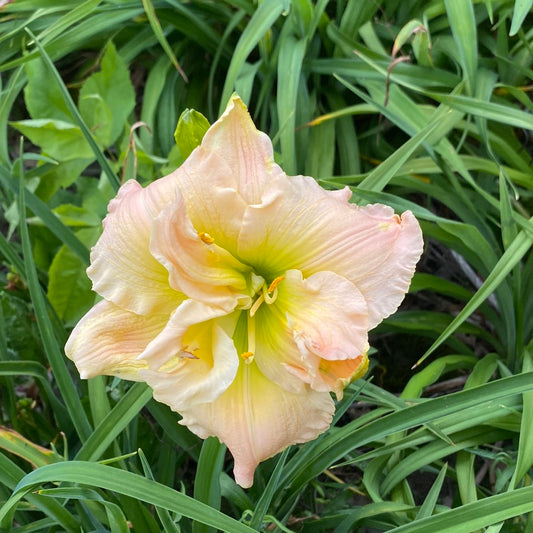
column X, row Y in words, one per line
column 205, row 237
column 270, row 298
column 251, row 333
column 275, row 283
column 256, row 305
column 248, row 357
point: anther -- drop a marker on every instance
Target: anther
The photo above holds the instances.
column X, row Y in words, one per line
column 275, row 283
column 248, row 357
column 205, row 237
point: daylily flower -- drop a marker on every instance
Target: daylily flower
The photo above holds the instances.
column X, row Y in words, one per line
column 241, row 295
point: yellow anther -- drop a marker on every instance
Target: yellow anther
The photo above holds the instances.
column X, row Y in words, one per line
column 248, row 357
column 205, row 237
column 275, row 283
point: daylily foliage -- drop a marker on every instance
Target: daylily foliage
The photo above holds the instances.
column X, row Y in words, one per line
column 241, row 295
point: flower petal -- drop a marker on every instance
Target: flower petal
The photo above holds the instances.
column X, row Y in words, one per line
column 301, row 226
column 108, row 341
column 228, row 171
column 198, row 267
column 256, row 419
column 334, row 376
column 323, row 317
column 122, row 268
column 193, row 360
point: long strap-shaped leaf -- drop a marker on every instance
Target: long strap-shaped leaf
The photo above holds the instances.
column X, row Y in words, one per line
column 122, row 482
column 474, row 516
column 335, row 445
column 511, row 257
column 50, row 344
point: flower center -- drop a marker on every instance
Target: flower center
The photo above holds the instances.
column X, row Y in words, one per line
column 268, row 295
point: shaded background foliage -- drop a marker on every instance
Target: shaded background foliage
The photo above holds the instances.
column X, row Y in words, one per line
column 421, row 105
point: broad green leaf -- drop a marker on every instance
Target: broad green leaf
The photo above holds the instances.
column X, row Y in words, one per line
column 50, row 220
column 107, row 98
column 61, row 140
column 69, row 288
column 74, row 216
column 190, row 131
column 42, row 98
column 61, row 175
column 78, row 120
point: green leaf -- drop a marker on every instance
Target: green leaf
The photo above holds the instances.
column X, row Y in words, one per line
column 96, row 151
column 73, row 215
column 122, row 482
column 41, row 97
column 107, row 98
column 524, row 461
column 207, row 479
column 514, row 253
column 158, row 31
column 190, row 131
column 263, row 18
column 69, row 288
column 59, row 139
column 291, row 56
column 474, row 516
column 463, row 24
column 114, row 422
column 337, row 444
column 50, row 343
column 61, row 175
column 427, row 508
column 521, row 9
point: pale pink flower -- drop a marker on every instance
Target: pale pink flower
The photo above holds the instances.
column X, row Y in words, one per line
column 242, row 296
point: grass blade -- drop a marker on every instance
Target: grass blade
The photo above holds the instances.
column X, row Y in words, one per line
column 114, row 423
column 50, row 344
column 267, row 13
